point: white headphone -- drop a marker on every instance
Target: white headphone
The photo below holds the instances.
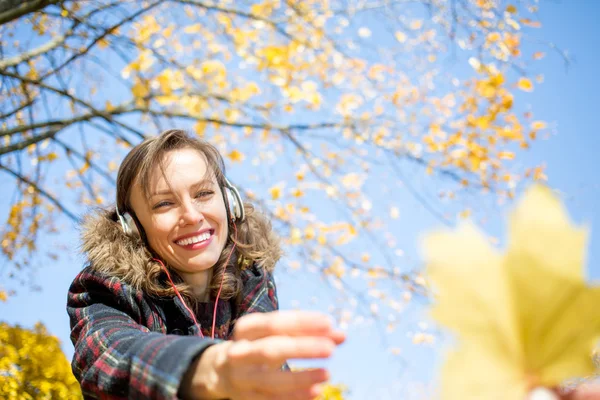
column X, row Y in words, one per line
column 233, row 202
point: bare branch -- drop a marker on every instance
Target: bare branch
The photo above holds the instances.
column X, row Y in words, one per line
column 26, row 56
column 100, row 113
column 27, row 142
column 70, row 150
column 97, row 39
column 239, row 13
column 16, row 110
column 11, row 10
column 47, row 195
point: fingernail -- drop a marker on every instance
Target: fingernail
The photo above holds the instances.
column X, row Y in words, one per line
column 542, row 393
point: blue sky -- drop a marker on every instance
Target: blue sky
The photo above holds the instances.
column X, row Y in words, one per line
column 567, row 100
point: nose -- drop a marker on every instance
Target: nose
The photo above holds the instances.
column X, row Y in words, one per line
column 191, row 214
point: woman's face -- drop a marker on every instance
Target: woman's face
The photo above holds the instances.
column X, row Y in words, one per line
column 186, row 223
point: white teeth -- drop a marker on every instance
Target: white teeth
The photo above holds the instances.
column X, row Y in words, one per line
column 194, row 239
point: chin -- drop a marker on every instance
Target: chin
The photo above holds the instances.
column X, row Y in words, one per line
column 202, row 265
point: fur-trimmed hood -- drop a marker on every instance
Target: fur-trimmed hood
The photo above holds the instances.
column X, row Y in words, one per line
column 109, row 250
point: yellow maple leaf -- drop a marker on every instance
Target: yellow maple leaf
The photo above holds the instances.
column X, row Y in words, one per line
column 518, row 314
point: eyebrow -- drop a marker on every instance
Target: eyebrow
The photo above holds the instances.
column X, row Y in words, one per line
column 203, row 182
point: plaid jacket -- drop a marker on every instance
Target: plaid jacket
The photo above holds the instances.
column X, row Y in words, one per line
column 131, row 345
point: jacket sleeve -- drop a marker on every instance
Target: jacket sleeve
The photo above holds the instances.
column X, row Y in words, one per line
column 116, row 355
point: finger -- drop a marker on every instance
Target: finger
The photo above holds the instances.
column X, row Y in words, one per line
column 584, row 392
column 275, row 350
column 309, row 394
column 290, row 323
column 300, row 395
column 286, row 382
column 338, row 337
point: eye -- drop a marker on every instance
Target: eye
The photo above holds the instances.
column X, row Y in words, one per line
column 161, row 204
column 204, row 194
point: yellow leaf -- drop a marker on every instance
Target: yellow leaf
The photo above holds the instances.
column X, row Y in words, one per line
column 416, row 24
column 196, row 28
column 511, row 9
column 103, row 43
column 3, row 296
column 236, row 156
column 401, row 37
column 140, row 90
column 538, row 55
column 518, row 313
column 199, row 128
column 525, row 85
column 275, row 192
column 506, row 155
column 530, row 23
column 296, row 236
column 537, row 125
column 309, row 233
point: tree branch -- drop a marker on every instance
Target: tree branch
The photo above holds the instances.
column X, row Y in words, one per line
column 47, row 195
column 11, row 10
column 106, row 32
column 27, row 142
column 26, row 56
column 100, row 113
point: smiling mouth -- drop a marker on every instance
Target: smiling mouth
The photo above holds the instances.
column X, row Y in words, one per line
column 195, row 239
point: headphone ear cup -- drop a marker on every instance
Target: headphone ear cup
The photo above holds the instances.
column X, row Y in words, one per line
column 234, row 202
column 130, row 227
column 231, row 206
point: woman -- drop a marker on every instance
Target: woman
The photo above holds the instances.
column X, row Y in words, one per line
column 179, row 266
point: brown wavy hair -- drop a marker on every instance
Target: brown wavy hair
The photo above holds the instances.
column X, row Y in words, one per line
column 256, row 243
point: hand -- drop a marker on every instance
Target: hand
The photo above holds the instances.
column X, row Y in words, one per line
column 249, row 366
column 584, row 392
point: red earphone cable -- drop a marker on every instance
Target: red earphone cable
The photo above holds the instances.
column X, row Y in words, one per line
column 179, row 296
column 218, row 294
column 222, row 279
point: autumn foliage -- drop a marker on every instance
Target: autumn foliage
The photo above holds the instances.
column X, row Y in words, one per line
column 32, row 365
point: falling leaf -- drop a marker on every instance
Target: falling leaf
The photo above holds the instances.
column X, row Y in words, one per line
column 525, row 85
column 538, row 55
column 517, row 314
column 401, row 37
column 394, row 213
column 275, row 192
column 236, row 156
column 537, row 125
column 506, row 155
column 416, row 24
